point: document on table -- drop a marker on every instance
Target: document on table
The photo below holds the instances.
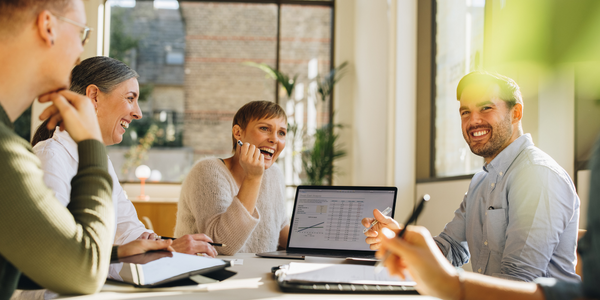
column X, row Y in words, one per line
column 345, row 273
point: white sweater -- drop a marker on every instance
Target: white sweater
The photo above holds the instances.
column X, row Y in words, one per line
column 208, row 204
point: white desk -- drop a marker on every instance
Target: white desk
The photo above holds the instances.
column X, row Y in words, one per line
column 252, row 281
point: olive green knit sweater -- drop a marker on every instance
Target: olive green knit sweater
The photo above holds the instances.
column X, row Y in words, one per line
column 66, row 250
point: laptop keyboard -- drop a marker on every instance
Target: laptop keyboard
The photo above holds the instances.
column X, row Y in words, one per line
column 333, row 254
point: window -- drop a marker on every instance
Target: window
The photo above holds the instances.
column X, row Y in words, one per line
column 191, row 59
column 458, row 51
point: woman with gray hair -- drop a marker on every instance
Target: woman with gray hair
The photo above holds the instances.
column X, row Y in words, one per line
column 114, row 90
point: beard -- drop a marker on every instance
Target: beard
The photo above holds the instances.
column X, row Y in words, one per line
column 501, row 133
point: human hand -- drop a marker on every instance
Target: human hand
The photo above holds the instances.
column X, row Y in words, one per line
column 251, row 160
column 143, row 246
column 195, row 243
column 72, row 112
column 418, row 253
column 148, row 236
column 373, row 238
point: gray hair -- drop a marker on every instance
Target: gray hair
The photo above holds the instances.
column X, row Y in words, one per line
column 104, row 72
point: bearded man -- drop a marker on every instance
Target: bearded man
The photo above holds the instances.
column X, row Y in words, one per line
column 519, row 219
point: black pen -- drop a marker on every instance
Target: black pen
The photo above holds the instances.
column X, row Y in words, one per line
column 213, row 244
column 413, row 217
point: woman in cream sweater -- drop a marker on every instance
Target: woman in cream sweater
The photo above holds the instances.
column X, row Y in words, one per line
column 240, row 201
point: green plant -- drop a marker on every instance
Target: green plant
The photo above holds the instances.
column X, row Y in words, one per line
column 325, row 83
column 318, row 161
column 285, row 81
column 121, row 43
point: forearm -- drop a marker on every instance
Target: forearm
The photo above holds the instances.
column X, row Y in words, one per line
column 44, row 235
column 480, row 287
column 248, row 193
column 232, row 227
column 283, row 237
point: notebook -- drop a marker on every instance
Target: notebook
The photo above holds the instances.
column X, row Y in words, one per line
column 157, row 268
column 326, row 221
column 340, row 278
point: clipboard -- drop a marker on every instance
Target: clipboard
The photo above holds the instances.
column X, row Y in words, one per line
column 339, row 278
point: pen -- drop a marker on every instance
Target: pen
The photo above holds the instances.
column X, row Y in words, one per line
column 385, row 213
column 213, row 244
column 240, row 143
column 413, row 217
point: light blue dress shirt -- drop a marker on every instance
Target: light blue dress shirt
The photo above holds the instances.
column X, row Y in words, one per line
column 519, row 218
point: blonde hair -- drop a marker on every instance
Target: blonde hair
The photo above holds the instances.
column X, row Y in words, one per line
column 256, row 110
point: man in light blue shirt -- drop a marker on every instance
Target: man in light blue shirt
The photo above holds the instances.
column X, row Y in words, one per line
column 519, row 219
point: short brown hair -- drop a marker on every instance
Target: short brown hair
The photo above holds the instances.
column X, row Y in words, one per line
column 509, row 90
column 15, row 13
column 256, row 110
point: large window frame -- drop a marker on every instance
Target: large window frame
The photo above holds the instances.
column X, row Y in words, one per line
column 279, row 3
column 426, row 95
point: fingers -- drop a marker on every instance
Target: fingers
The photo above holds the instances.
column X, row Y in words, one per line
column 48, row 112
column 374, row 243
column 144, row 236
column 367, row 222
column 54, row 121
column 255, row 153
column 395, row 266
column 188, row 244
column 212, row 251
column 158, row 245
column 201, row 237
column 385, row 221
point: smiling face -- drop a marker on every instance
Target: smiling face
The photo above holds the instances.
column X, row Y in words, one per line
column 117, row 109
column 488, row 125
column 267, row 134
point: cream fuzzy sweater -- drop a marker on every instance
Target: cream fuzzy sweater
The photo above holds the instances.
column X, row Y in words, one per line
column 208, row 204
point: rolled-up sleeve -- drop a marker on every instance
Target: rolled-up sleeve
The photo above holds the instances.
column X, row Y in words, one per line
column 540, row 210
column 452, row 241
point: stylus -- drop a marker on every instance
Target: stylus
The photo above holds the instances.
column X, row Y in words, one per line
column 413, row 217
column 213, row 244
column 386, row 212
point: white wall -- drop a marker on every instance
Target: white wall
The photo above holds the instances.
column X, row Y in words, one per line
column 361, row 97
column 405, row 109
column 379, row 39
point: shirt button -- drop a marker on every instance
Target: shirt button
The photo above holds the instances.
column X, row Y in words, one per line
column 479, row 270
column 493, row 184
column 485, row 243
column 500, row 173
column 486, row 213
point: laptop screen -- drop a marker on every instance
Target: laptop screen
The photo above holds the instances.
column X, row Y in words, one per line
column 330, row 217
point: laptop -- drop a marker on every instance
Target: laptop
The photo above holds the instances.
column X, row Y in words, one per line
column 326, row 221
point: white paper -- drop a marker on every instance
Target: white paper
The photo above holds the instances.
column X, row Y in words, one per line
column 346, row 273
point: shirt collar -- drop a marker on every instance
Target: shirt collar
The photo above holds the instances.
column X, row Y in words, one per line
column 63, row 138
column 5, row 119
column 502, row 161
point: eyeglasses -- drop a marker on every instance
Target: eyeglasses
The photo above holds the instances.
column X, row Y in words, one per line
column 85, row 35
